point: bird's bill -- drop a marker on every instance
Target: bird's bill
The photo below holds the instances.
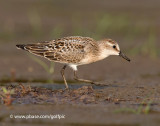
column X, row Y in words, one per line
column 124, row 56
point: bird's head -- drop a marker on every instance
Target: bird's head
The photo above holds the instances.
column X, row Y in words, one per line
column 111, row 47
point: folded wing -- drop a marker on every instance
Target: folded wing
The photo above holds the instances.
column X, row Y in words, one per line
column 64, row 50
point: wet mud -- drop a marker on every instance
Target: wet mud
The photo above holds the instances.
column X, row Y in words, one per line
column 83, row 104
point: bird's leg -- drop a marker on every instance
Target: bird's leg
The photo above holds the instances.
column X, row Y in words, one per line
column 62, row 73
column 87, row 81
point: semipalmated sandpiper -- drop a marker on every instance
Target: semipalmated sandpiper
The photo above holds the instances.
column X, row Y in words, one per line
column 74, row 51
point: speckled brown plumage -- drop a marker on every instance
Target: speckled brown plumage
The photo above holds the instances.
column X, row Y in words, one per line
column 65, row 50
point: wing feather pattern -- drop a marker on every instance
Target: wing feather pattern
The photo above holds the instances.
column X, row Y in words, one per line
column 65, row 50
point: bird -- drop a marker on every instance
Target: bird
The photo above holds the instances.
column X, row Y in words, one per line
column 74, row 51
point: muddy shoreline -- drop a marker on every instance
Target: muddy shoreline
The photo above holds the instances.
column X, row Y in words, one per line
column 84, row 104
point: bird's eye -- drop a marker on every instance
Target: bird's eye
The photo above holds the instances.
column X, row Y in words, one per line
column 114, row 46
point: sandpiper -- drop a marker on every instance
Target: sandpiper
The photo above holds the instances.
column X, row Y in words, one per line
column 74, row 51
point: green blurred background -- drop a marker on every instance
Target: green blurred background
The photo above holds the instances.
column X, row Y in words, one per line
column 135, row 25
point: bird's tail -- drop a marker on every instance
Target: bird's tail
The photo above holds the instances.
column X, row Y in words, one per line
column 21, row 46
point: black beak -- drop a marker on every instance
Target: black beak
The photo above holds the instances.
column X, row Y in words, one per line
column 124, row 56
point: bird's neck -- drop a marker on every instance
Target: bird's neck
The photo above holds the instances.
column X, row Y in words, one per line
column 103, row 52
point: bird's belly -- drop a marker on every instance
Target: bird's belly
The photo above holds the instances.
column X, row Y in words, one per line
column 88, row 59
column 91, row 59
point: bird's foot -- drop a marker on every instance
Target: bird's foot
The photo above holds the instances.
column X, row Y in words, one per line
column 99, row 83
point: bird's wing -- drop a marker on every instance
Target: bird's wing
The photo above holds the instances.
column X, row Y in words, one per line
column 37, row 48
column 66, row 50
